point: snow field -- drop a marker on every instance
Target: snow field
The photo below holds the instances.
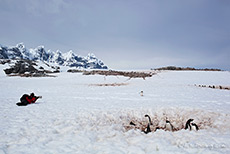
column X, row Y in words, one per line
column 104, row 132
column 76, row 116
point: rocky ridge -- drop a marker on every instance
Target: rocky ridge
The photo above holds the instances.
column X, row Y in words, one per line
column 53, row 57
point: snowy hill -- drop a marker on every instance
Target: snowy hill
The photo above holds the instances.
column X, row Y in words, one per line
column 55, row 57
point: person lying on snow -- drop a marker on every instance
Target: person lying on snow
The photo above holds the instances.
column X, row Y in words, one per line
column 28, row 99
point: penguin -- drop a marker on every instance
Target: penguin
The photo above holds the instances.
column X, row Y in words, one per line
column 133, row 124
column 194, row 127
column 148, row 130
column 142, row 93
column 149, row 119
column 188, row 125
column 168, row 126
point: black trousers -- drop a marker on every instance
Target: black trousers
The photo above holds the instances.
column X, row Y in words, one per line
column 23, row 103
column 23, row 100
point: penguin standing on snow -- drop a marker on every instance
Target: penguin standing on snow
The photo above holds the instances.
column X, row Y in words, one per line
column 190, row 125
column 142, row 93
column 168, row 126
column 133, row 124
column 194, row 127
column 148, row 130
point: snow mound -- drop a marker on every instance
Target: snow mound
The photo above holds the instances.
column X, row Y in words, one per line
column 105, row 132
column 206, row 120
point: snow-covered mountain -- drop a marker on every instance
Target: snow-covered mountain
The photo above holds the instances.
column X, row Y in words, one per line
column 57, row 57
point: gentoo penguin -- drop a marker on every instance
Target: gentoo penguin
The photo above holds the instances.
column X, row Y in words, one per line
column 168, row 126
column 188, row 124
column 149, row 119
column 194, row 126
column 142, row 93
column 148, row 130
column 131, row 123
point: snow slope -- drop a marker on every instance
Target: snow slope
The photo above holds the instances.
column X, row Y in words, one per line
column 76, row 116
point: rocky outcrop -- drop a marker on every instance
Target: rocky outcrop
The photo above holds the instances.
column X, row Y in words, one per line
column 174, row 68
column 26, row 68
column 120, row 73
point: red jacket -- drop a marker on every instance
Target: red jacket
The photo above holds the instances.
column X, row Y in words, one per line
column 31, row 99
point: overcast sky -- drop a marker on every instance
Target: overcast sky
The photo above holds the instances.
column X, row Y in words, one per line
column 125, row 34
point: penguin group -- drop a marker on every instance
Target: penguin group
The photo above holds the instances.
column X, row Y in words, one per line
column 214, row 87
column 190, row 125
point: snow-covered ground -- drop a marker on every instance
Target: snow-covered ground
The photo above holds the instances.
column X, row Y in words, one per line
column 77, row 116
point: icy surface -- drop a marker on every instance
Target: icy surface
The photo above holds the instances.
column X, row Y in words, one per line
column 76, row 116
